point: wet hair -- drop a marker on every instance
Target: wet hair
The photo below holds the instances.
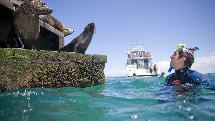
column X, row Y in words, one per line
column 189, row 58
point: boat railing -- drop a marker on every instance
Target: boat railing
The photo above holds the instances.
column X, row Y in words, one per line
column 139, row 54
column 140, row 58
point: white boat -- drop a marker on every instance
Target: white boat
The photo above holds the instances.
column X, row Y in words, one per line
column 139, row 63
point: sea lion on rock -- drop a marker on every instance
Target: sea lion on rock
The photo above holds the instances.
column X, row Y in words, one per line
column 26, row 21
column 81, row 42
column 56, row 24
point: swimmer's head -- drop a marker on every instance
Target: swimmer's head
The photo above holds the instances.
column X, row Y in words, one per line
column 188, row 53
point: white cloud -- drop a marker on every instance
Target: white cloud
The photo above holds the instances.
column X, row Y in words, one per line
column 163, row 66
column 212, row 53
column 205, row 64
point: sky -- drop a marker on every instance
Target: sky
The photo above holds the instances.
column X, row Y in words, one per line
column 158, row 25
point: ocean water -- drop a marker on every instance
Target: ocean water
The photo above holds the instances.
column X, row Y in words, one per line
column 119, row 99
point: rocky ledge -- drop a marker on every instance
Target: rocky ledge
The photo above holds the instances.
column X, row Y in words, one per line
column 20, row 68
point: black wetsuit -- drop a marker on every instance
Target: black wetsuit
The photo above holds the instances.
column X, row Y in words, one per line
column 187, row 76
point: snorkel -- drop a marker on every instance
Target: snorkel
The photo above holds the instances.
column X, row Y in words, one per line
column 182, row 48
column 170, row 68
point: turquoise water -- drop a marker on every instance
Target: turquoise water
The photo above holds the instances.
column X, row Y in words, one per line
column 119, row 99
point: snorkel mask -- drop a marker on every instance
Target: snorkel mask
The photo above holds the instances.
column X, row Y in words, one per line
column 182, row 48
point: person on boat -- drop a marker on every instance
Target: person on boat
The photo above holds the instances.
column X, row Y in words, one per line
column 155, row 69
column 182, row 60
column 150, row 68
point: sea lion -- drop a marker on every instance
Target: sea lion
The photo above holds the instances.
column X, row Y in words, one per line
column 56, row 24
column 81, row 42
column 26, row 21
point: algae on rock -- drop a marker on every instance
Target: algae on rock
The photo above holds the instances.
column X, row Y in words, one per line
column 22, row 68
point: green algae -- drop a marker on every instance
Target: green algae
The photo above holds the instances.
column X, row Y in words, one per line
column 22, row 68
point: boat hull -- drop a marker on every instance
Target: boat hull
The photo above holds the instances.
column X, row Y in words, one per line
column 131, row 70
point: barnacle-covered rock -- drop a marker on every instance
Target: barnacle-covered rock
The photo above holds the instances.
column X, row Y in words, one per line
column 22, row 68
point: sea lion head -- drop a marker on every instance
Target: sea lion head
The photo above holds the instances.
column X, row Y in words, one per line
column 90, row 27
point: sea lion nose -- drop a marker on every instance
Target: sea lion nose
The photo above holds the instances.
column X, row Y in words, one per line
column 92, row 24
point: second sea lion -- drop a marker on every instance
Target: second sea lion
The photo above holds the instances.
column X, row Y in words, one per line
column 81, row 42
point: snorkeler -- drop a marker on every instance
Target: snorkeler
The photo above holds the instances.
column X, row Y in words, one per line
column 182, row 60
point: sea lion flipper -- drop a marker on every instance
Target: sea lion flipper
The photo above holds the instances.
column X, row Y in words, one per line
column 20, row 43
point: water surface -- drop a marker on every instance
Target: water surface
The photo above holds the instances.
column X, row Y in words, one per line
column 119, row 99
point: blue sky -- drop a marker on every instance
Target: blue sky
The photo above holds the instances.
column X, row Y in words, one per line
column 156, row 24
